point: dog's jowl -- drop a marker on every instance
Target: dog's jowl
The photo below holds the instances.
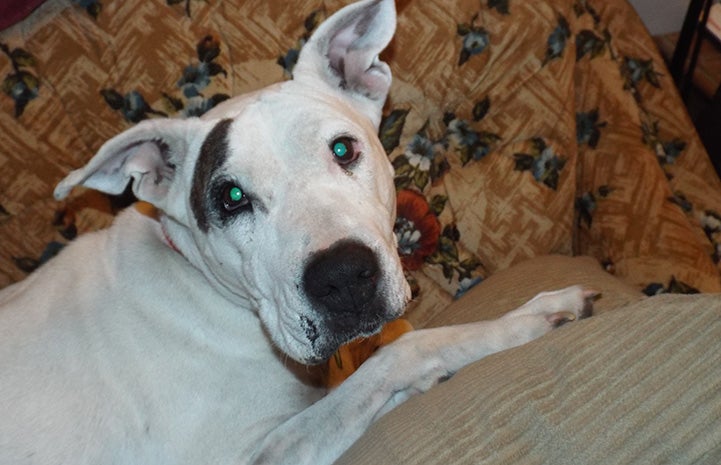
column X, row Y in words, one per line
column 174, row 340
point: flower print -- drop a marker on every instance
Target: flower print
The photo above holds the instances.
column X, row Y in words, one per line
column 135, row 106
column 194, row 79
column 588, row 128
column 556, row 43
column 422, row 162
column 547, row 164
column 475, row 40
column 417, row 229
column 391, row 129
column 466, row 284
column 132, row 105
column 93, row 7
column 500, row 5
column 197, row 106
column 667, row 151
column 674, row 287
column 587, row 203
column 588, row 43
column 22, row 86
column 421, row 152
column 635, row 70
column 448, row 257
column 469, row 143
column 288, row 61
column 542, row 162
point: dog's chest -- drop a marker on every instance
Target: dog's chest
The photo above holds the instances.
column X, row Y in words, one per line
column 193, row 380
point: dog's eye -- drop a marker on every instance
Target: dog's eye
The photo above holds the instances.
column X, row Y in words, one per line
column 344, row 150
column 234, row 198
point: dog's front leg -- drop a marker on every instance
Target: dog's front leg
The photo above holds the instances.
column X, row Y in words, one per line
column 412, row 364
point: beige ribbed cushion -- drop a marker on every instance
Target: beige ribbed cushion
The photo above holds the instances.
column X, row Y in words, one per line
column 638, row 385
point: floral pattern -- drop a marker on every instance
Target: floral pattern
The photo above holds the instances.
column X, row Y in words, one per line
column 474, row 38
column 186, row 3
column 93, row 7
column 417, row 229
column 542, row 161
column 288, row 61
column 194, row 80
column 492, row 124
column 588, row 128
column 21, row 85
column 556, row 43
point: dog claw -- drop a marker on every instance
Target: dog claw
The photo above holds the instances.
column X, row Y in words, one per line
column 560, row 318
column 591, row 294
column 589, row 297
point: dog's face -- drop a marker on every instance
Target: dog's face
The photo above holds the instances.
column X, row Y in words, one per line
column 295, row 210
column 283, row 198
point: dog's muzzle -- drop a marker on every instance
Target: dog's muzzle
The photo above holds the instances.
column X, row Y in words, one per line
column 342, row 283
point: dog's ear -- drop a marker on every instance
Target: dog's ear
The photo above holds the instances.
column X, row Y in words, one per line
column 343, row 54
column 151, row 154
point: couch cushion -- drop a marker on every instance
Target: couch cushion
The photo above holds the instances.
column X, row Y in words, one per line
column 636, row 385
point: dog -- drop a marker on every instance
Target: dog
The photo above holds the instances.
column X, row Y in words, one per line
column 183, row 339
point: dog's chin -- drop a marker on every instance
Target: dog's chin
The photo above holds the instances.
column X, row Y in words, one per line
column 331, row 339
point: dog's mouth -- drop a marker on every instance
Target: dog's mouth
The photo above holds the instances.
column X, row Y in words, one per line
column 326, row 338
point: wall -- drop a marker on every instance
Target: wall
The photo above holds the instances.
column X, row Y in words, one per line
column 661, row 16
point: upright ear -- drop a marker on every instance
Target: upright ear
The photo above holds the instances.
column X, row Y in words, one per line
column 151, row 154
column 343, row 54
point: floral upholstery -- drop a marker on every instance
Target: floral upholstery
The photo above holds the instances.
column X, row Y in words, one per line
column 516, row 129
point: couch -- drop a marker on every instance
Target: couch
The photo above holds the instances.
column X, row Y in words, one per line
column 535, row 144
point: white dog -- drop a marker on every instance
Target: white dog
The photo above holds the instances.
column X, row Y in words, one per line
column 169, row 341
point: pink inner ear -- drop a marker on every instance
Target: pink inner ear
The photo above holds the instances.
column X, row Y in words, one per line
column 151, row 173
column 338, row 48
column 367, row 74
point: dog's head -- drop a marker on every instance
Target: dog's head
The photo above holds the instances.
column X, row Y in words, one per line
column 283, row 198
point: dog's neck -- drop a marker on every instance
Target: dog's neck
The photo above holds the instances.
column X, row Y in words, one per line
column 168, row 241
column 150, row 211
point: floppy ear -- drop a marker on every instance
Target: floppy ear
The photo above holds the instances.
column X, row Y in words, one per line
column 151, row 154
column 343, row 55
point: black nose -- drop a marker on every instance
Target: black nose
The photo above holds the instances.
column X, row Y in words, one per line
column 343, row 278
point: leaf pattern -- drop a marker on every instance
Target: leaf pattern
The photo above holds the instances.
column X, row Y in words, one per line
column 195, row 78
column 422, row 163
column 448, row 257
column 474, row 132
column 556, row 43
column 542, row 162
column 673, row 287
column 589, row 43
column 588, row 128
column 92, row 7
column 21, row 85
column 391, row 128
column 586, row 204
column 500, row 5
column 288, row 61
column 667, row 150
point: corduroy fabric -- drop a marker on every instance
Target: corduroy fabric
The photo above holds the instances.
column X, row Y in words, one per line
column 637, row 385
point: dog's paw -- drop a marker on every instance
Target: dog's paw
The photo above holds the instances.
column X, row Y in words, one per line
column 556, row 308
column 569, row 304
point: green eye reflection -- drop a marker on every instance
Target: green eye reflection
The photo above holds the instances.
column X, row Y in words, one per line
column 235, row 194
column 234, row 198
column 344, row 150
column 340, row 149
